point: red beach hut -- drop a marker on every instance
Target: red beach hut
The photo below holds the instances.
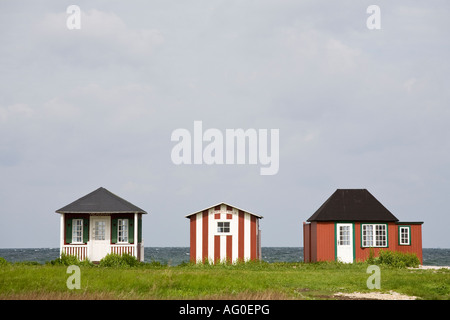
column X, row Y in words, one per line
column 350, row 223
column 224, row 233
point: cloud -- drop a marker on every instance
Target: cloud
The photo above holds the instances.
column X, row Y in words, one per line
column 104, row 38
column 15, row 112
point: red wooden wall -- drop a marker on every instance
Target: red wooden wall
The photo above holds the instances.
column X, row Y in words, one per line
column 319, row 241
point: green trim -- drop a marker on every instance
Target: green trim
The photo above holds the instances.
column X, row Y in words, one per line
column 354, row 248
column 374, row 223
column 409, row 235
column 335, row 242
column 408, row 222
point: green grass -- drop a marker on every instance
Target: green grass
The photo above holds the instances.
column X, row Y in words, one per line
column 242, row 281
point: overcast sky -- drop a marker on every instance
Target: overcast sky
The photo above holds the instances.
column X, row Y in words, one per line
column 96, row 107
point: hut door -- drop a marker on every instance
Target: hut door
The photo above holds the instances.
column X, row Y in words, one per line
column 100, row 237
column 344, row 242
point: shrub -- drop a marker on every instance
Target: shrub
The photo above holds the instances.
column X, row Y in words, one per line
column 398, row 259
column 117, row 260
column 372, row 259
column 3, row 262
column 69, row 260
column 27, row 263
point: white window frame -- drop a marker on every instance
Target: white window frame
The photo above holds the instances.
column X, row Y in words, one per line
column 224, row 228
column 77, row 231
column 374, row 235
column 122, row 231
column 408, row 236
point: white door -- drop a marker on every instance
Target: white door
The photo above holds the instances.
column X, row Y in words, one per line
column 344, row 242
column 100, row 237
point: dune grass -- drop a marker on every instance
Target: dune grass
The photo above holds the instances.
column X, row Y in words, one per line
column 254, row 280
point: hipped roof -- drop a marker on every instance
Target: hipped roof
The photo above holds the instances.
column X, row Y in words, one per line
column 101, row 201
column 352, row 205
column 220, row 203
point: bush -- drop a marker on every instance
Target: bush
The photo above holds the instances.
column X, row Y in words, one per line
column 372, row 259
column 69, row 260
column 3, row 262
column 398, row 259
column 117, row 260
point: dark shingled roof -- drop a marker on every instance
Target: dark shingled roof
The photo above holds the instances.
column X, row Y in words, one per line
column 100, row 201
column 352, row 205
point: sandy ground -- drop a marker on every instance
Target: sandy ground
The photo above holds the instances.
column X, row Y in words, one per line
column 432, row 267
column 392, row 295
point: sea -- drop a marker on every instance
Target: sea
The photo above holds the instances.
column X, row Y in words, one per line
column 173, row 256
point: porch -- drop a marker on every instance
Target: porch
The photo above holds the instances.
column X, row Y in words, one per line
column 83, row 251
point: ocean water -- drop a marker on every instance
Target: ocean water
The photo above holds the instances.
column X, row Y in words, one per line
column 176, row 255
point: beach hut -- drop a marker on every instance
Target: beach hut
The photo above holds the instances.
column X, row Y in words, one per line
column 224, row 233
column 351, row 223
column 100, row 223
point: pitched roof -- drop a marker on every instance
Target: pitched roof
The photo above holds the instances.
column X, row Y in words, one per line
column 218, row 204
column 100, row 201
column 352, row 205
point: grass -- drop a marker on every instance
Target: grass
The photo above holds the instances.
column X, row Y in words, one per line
column 254, row 280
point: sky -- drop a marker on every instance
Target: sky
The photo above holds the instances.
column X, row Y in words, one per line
column 96, row 107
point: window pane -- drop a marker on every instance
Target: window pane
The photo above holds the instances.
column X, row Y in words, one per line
column 374, row 235
column 404, row 235
column 344, row 235
column 99, row 230
column 77, row 230
column 223, row 227
column 122, row 230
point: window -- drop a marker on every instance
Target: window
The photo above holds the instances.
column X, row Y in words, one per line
column 77, row 231
column 344, row 235
column 404, row 235
column 374, row 235
column 99, row 230
column 122, row 230
column 223, row 227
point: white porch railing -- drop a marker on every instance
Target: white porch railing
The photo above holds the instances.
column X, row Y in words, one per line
column 122, row 248
column 136, row 251
column 81, row 251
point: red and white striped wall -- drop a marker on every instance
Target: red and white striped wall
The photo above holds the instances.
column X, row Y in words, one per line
column 242, row 241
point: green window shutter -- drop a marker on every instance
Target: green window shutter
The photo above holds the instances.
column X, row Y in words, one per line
column 114, row 230
column 69, row 230
column 131, row 230
column 85, row 230
column 140, row 230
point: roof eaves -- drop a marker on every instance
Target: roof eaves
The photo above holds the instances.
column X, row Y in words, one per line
column 100, row 212
column 220, row 203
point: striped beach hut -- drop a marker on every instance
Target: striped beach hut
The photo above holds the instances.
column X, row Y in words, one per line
column 100, row 223
column 224, row 233
column 351, row 223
